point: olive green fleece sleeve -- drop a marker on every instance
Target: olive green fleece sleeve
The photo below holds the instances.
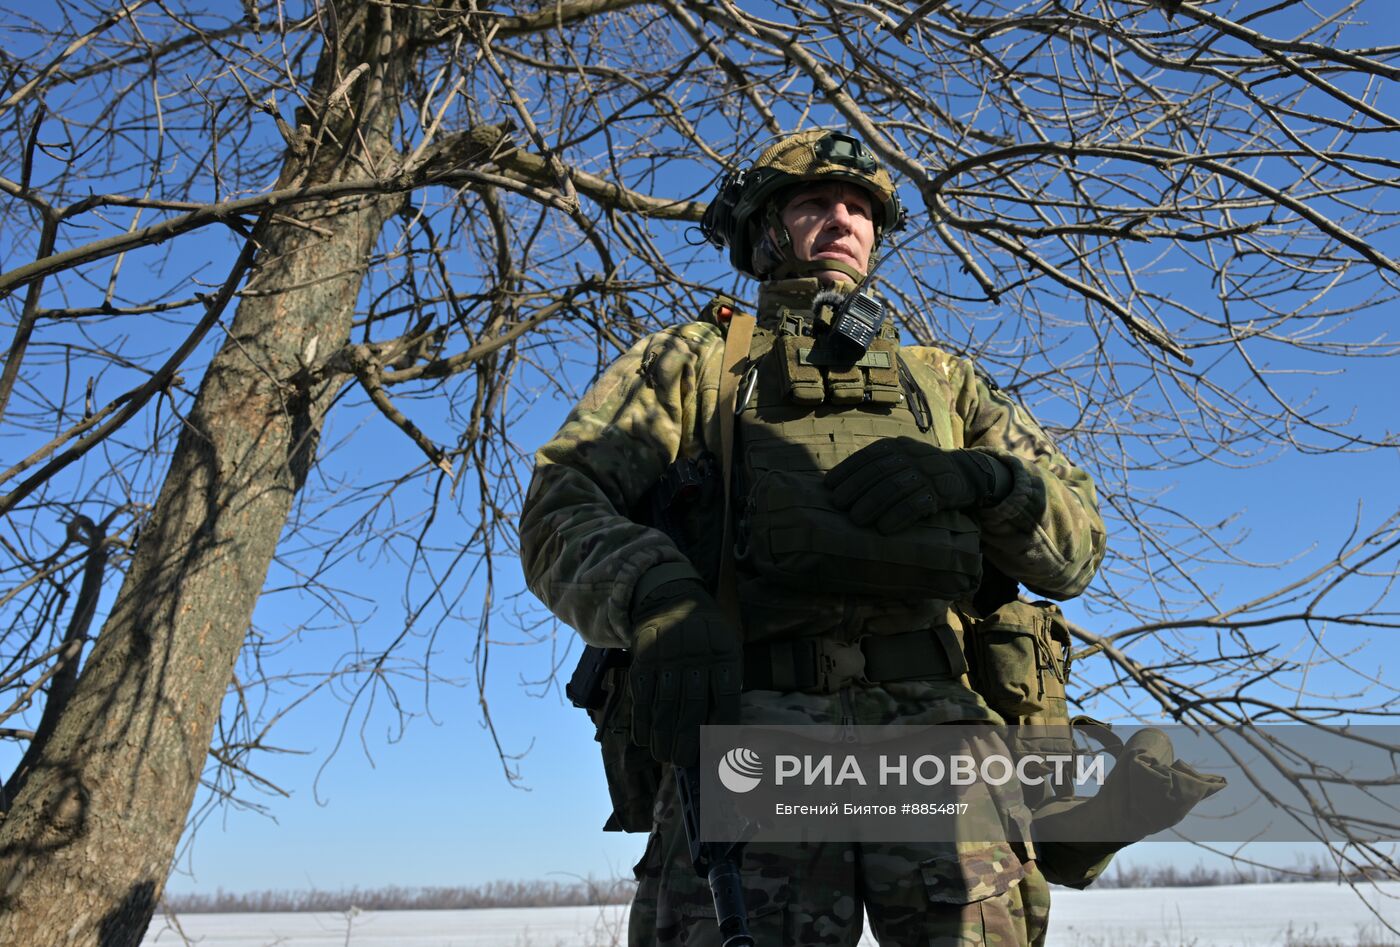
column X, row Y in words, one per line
column 1047, row 533
column 581, row 551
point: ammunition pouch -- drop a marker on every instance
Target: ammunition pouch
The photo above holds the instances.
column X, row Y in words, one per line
column 1021, row 662
column 813, row 374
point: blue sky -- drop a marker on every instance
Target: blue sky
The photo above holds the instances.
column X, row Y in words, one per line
column 428, row 803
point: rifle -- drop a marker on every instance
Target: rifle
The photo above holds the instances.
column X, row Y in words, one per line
column 632, row 774
column 717, row 862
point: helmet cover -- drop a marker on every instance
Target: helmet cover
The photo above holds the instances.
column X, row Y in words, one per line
column 737, row 216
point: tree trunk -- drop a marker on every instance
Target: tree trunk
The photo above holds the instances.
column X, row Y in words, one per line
column 87, row 843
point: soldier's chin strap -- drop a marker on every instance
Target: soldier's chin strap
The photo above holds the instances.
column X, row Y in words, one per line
column 813, row 267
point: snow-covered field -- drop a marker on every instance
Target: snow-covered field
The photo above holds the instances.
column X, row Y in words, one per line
column 1299, row 915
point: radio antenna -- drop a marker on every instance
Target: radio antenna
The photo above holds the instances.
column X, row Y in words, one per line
column 904, row 241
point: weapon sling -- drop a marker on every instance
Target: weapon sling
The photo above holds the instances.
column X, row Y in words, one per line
column 717, row 862
column 734, row 365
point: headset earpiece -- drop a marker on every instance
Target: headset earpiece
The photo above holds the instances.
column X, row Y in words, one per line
column 718, row 223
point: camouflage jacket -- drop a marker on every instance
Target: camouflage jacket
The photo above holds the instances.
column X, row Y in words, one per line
column 583, row 554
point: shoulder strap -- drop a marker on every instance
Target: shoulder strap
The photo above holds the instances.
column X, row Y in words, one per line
column 736, row 356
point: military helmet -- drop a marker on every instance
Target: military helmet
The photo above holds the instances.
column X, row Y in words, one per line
column 750, row 200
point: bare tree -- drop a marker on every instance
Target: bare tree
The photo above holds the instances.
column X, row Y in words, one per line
column 1162, row 224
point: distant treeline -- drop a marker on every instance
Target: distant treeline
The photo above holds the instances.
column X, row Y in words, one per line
column 532, row 894
column 496, row 894
column 1173, row 876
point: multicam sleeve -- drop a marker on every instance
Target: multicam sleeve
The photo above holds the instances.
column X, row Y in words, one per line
column 581, row 550
column 1047, row 532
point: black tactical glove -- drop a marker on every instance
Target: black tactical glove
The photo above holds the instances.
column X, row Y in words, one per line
column 686, row 667
column 897, row 480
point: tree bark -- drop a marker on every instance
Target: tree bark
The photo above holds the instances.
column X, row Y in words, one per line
column 87, row 843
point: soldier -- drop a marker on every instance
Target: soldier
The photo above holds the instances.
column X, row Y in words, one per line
column 870, row 483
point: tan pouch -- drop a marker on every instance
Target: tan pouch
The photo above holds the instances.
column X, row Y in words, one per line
column 1021, row 651
column 882, row 372
column 802, row 381
column 1020, row 660
column 844, row 384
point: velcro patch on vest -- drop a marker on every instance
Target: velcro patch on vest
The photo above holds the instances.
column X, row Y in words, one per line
column 824, row 357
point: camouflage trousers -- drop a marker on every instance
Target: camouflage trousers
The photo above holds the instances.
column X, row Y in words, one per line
column 927, row 894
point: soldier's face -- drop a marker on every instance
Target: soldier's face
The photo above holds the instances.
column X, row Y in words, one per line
column 831, row 220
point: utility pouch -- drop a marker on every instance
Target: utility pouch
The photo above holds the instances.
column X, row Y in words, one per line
column 1020, row 666
column 599, row 685
column 1022, row 655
